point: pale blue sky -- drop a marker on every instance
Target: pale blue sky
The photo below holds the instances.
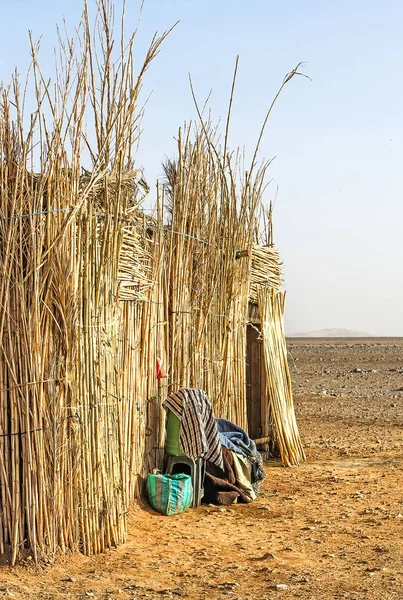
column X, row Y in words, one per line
column 338, row 140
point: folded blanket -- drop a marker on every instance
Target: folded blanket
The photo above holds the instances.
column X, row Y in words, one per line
column 242, row 471
column 220, row 485
column 235, row 438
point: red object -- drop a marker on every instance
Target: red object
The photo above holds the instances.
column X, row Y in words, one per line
column 160, row 371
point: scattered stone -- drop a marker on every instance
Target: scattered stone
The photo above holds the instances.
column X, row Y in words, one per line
column 268, row 556
column 280, row 587
column 381, row 549
column 131, row 588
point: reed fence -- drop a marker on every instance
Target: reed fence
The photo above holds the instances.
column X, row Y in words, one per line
column 93, row 292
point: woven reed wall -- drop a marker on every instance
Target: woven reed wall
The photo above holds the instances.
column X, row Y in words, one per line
column 92, row 293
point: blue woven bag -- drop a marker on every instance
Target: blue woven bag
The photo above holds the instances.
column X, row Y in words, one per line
column 170, row 494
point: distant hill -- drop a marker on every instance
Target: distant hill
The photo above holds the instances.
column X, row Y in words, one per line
column 329, row 333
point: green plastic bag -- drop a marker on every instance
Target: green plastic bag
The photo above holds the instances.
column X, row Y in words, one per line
column 170, row 494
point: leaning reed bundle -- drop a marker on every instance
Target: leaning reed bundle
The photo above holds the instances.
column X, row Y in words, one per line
column 271, row 309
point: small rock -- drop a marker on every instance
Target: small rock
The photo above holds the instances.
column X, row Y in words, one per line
column 381, row 549
column 280, row 587
column 130, row 588
column 268, row 556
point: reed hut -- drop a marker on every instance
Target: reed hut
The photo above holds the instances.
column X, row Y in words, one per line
column 93, row 292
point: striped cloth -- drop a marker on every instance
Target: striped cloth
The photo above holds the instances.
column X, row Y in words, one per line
column 198, row 431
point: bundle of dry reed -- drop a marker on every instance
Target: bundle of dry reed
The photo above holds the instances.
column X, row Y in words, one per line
column 271, row 309
column 211, row 219
column 265, row 269
column 72, row 427
column 214, row 211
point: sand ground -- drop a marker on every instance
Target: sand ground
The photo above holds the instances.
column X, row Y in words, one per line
column 330, row 529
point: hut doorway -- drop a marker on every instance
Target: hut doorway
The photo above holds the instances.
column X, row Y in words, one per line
column 256, row 391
